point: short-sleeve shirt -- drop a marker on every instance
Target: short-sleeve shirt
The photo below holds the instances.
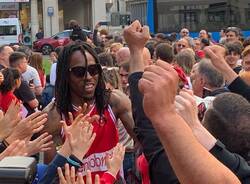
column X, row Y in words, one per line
column 32, row 74
column 25, row 94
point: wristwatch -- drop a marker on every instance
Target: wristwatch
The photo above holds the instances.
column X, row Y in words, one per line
column 3, row 145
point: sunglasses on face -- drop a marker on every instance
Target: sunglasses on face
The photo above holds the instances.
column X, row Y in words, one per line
column 80, row 71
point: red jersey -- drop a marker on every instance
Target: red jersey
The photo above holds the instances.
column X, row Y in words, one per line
column 106, row 139
column 6, row 99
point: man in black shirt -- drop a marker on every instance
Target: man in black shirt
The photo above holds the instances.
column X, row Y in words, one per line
column 18, row 60
column 159, row 166
column 39, row 34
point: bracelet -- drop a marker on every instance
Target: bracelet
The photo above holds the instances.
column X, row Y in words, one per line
column 74, row 161
column 73, row 157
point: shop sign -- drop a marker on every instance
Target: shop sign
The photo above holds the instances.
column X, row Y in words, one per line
column 50, row 11
column 9, row 6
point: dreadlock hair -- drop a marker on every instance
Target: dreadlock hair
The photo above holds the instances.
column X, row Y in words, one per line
column 62, row 88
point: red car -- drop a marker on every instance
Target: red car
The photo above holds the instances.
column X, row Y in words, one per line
column 47, row 45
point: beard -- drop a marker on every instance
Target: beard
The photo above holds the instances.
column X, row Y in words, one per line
column 88, row 98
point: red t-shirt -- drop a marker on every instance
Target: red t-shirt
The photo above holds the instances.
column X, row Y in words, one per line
column 42, row 77
column 6, row 99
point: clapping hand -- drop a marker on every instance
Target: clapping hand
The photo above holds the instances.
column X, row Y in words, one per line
column 17, row 148
column 28, row 126
column 9, row 120
column 70, row 176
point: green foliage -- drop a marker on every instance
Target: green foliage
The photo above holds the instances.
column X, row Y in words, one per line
column 46, row 65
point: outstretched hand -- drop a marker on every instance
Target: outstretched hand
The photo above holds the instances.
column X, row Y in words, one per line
column 28, row 126
column 17, row 148
column 70, row 177
column 79, row 135
column 98, row 25
column 114, row 163
column 9, row 120
column 81, row 141
column 40, row 144
column 186, row 107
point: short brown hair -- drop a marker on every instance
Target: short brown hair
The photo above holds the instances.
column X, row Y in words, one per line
column 164, row 51
column 104, row 32
column 14, row 58
column 229, row 121
column 125, row 65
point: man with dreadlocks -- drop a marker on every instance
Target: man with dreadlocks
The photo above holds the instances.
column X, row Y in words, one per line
column 79, row 81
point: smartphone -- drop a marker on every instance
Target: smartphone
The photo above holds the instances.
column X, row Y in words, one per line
column 31, row 82
column 105, row 23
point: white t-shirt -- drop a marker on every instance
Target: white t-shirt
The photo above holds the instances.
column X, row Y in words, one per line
column 52, row 76
column 207, row 101
column 32, row 74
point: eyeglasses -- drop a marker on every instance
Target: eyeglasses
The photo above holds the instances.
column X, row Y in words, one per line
column 185, row 32
column 80, row 71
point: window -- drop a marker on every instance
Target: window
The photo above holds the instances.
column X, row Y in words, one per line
column 188, row 17
column 8, row 30
column 62, row 35
column 216, row 16
column 247, row 14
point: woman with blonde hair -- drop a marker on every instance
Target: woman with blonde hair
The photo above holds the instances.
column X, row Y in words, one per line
column 112, row 78
column 114, row 48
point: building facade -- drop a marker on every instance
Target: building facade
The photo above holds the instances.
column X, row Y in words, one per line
column 172, row 15
column 53, row 15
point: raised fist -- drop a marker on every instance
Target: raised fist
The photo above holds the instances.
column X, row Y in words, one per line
column 136, row 36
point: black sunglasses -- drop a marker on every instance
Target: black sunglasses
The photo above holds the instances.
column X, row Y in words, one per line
column 80, row 71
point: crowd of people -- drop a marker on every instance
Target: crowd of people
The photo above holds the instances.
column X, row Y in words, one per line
column 130, row 107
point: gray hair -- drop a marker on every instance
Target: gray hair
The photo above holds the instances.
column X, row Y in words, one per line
column 212, row 76
column 186, row 60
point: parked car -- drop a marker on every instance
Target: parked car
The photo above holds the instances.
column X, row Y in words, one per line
column 47, row 45
column 10, row 31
